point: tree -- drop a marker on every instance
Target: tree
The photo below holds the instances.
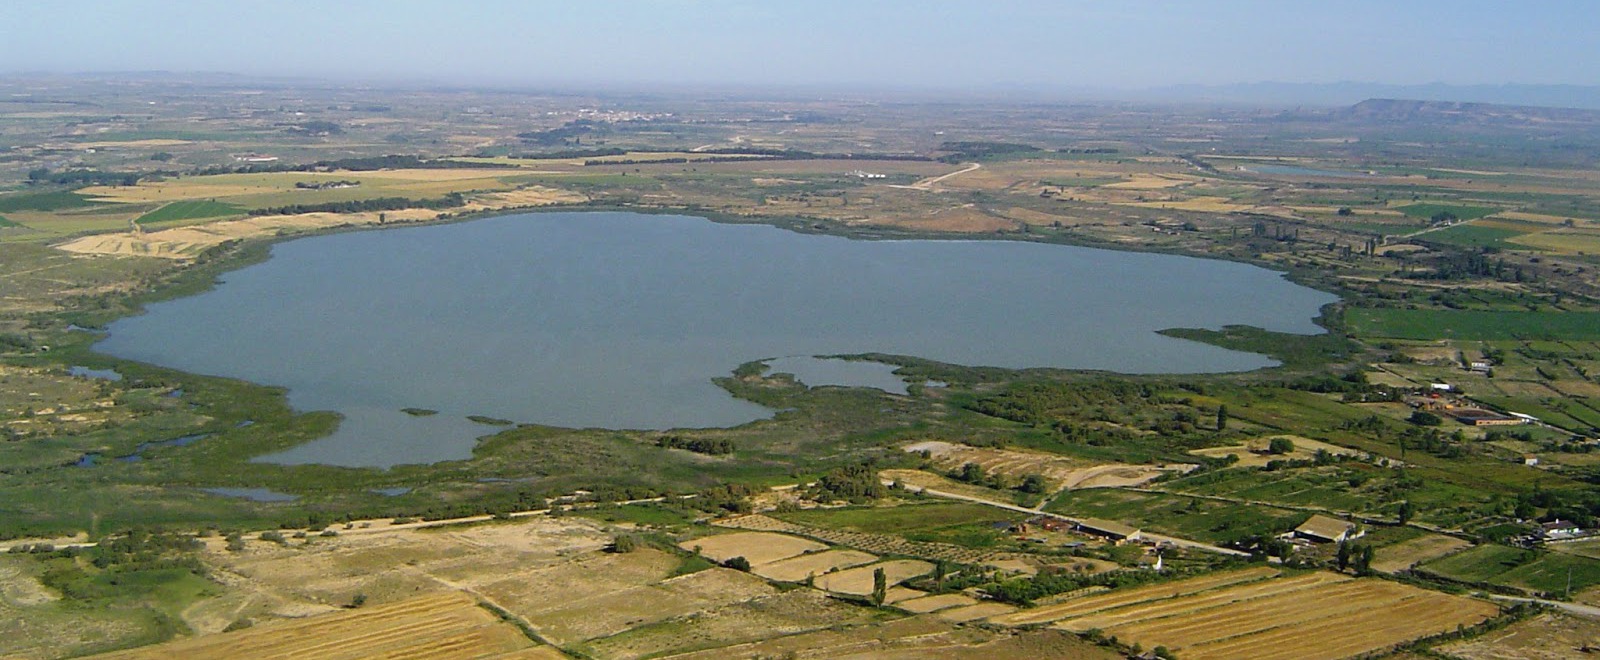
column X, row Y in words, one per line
column 623, row 543
column 1280, row 446
column 1222, row 418
column 880, row 586
column 738, row 564
column 1032, row 483
column 972, row 473
column 1361, row 560
column 1346, row 211
column 1407, row 510
column 358, row 600
column 1425, row 418
column 1342, row 558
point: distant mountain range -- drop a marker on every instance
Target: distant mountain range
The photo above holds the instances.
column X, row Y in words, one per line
column 1410, row 110
column 1347, row 93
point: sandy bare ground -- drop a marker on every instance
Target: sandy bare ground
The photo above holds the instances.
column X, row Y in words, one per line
column 758, row 548
column 1061, row 472
column 1253, row 453
column 930, row 182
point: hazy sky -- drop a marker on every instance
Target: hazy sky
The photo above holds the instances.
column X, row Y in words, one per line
column 911, row 43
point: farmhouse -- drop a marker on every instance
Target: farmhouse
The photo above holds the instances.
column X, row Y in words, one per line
column 1481, row 417
column 1115, row 531
column 1322, row 529
column 1558, row 529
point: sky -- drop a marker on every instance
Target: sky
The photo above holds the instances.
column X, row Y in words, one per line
column 970, row 44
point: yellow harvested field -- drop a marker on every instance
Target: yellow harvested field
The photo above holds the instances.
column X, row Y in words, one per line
column 975, row 612
column 1203, row 600
column 935, row 603
column 1125, row 597
column 1318, row 615
column 758, row 548
column 449, row 625
column 1404, row 555
column 1200, row 204
column 795, row 569
column 858, row 581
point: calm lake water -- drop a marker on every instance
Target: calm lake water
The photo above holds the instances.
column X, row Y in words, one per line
column 621, row 320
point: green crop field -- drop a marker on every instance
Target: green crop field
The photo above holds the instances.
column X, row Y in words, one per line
column 1481, row 325
column 51, row 201
column 1429, row 209
column 189, row 210
column 1471, row 236
column 1514, row 567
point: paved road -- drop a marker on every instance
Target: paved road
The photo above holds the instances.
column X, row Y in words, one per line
column 927, row 184
column 1571, row 608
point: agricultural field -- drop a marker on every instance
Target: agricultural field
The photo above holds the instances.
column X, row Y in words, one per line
column 1258, row 615
column 1556, row 574
column 109, row 205
column 450, row 625
column 1476, row 325
column 1549, row 636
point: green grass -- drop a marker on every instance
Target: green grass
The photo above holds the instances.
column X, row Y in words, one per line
column 1480, row 325
column 1534, row 570
column 1430, row 209
column 188, row 210
column 1203, row 520
column 1480, row 564
column 1471, row 236
column 50, row 201
column 7, row 223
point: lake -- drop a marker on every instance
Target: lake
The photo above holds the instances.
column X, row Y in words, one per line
column 622, row 320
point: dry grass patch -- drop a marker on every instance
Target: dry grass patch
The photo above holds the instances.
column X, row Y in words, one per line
column 1551, row 636
column 975, row 612
column 789, row 613
column 579, row 615
column 796, row 569
column 1404, row 555
column 935, row 603
column 758, row 548
column 858, row 581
